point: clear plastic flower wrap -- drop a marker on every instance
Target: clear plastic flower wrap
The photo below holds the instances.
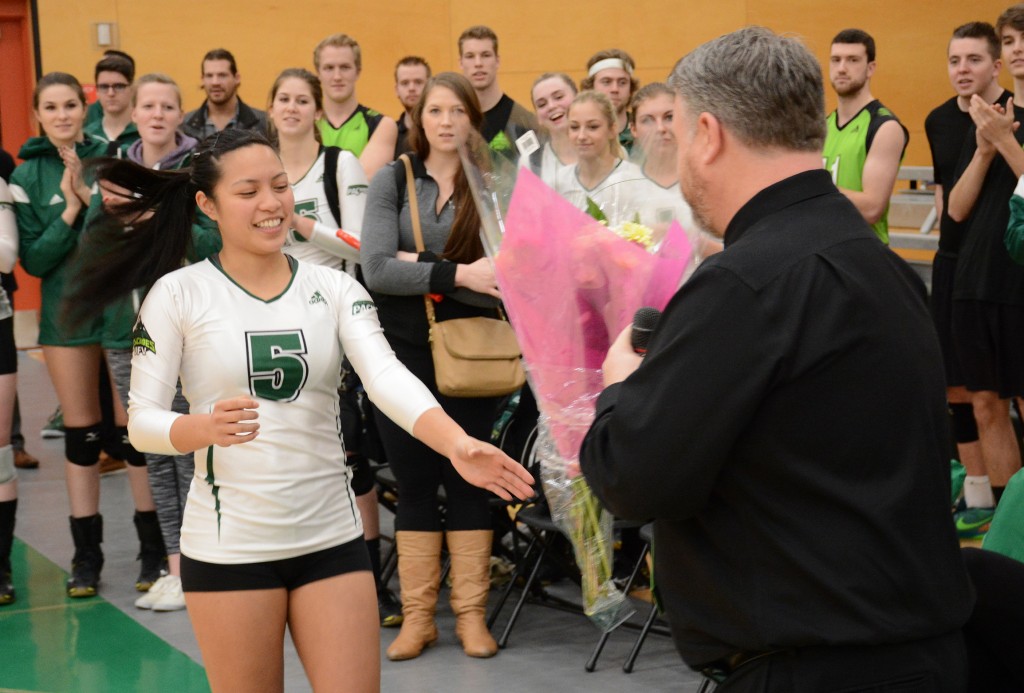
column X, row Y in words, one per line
column 570, row 284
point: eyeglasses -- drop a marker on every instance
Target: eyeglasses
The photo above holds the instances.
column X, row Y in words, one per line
column 117, row 87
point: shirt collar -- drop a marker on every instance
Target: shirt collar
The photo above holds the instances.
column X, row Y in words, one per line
column 776, row 197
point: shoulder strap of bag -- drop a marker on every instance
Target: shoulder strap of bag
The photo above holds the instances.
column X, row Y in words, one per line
column 331, row 155
column 417, row 231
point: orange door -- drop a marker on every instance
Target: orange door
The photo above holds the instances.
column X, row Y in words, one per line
column 17, row 123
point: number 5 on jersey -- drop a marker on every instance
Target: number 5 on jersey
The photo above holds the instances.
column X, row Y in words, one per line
column 277, row 369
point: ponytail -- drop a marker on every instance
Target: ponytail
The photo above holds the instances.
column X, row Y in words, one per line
column 148, row 235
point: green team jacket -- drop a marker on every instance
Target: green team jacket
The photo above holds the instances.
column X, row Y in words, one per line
column 119, row 317
column 45, row 242
column 1014, row 236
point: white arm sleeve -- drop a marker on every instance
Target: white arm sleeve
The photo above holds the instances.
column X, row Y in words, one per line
column 157, row 345
column 352, row 189
column 392, row 388
column 8, row 230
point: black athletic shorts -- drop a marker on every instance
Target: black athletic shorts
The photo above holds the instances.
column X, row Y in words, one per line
column 8, row 353
column 988, row 338
column 943, row 271
column 289, row 573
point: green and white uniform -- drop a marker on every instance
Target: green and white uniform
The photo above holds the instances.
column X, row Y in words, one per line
column 846, row 150
column 623, row 193
column 46, row 243
column 311, row 201
column 286, row 493
column 354, row 134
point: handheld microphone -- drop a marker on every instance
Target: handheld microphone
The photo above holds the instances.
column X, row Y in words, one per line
column 644, row 321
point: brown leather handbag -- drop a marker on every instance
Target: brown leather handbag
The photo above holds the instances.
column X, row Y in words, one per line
column 473, row 357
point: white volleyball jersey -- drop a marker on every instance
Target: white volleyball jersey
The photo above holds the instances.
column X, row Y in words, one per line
column 286, row 493
column 624, row 192
column 551, row 166
column 667, row 205
column 311, row 201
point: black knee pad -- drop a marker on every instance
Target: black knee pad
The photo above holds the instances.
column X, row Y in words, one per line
column 82, row 445
column 362, row 476
column 965, row 427
column 120, row 448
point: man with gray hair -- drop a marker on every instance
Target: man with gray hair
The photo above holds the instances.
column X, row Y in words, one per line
column 787, row 427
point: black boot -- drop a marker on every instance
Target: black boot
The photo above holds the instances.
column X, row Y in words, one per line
column 388, row 607
column 88, row 561
column 151, row 550
column 7, row 512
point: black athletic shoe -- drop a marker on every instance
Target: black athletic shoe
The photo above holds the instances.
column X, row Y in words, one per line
column 85, row 576
column 87, row 563
column 153, row 568
column 6, row 586
column 389, row 608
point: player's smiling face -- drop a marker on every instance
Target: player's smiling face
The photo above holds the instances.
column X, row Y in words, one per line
column 252, row 202
column 293, row 110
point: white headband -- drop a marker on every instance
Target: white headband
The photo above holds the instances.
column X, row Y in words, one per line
column 607, row 63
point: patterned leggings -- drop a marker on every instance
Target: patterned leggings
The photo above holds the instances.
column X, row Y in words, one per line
column 169, row 475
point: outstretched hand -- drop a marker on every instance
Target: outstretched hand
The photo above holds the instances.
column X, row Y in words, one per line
column 484, row 465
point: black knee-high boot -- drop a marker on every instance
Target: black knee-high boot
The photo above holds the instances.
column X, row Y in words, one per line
column 151, row 550
column 8, row 510
column 87, row 563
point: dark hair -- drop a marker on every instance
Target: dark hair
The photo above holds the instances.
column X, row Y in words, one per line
column 410, row 61
column 980, row 30
column 480, row 33
column 1012, row 16
column 122, row 252
column 314, row 86
column 219, row 54
column 52, row 78
column 120, row 54
column 857, row 36
column 464, row 243
column 115, row 63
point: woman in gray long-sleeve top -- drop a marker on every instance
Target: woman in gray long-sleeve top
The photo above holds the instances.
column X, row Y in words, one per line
column 453, row 270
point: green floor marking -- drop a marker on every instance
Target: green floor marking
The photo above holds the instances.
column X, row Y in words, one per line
column 60, row 645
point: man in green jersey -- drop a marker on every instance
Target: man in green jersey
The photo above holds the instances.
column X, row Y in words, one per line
column 346, row 123
column 865, row 141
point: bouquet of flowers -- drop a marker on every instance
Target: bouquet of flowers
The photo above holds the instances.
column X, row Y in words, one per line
column 571, row 282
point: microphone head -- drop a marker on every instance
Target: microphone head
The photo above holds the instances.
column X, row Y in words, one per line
column 644, row 321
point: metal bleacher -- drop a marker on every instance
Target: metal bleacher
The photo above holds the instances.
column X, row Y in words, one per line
column 913, row 231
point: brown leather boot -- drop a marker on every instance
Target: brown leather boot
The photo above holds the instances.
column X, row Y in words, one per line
column 471, row 581
column 419, row 572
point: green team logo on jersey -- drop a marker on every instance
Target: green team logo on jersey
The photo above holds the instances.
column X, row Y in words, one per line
column 277, row 369
column 500, row 143
column 357, row 190
column 141, row 341
column 362, row 306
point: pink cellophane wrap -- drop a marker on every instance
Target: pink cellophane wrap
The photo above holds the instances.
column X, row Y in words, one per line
column 570, row 286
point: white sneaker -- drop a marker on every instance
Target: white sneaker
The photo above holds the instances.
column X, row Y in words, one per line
column 147, row 600
column 171, row 597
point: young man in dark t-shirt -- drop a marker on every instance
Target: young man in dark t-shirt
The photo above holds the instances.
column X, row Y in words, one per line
column 411, row 75
column 504, row 119
column 988, row 289
column 974, row 64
